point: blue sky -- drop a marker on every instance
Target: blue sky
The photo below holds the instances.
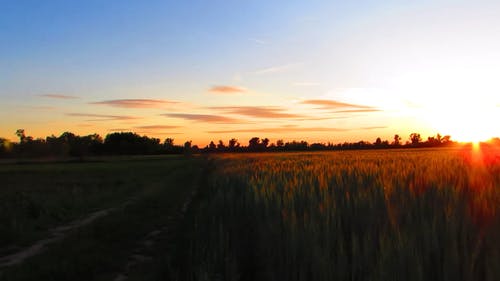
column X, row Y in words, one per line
column 393, row 62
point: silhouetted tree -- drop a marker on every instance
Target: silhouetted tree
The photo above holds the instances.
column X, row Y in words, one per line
column 296, row 145
column 21, row 135
column 318, row 146
column 397, row 140
column 439, row 138
column 265, row 143
column 221, row 146
column 254, row 144
column 130, row 143
column 415, row 138
column 212, row 147
column 187, row 148
column 233, row 144
column 69, row 144
column 169, row 142
column 5, row 147
column 169, row 147
column 280, row 143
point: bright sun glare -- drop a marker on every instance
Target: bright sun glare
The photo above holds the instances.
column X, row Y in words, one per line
column 458, row 102
column 465, row 122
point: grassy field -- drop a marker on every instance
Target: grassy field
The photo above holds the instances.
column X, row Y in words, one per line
column 145, row 193
column 424, row 214
column 353, row 215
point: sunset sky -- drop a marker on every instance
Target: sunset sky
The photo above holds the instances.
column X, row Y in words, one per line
column 321, row 71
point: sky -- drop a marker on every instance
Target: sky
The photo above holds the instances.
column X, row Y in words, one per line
column 320, row 71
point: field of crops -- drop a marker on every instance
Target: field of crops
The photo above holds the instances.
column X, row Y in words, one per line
column 398, row 214
column 361, row 215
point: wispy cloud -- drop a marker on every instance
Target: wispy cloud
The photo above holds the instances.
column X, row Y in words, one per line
column 59, row 96
column 157, row 127
column 292, row 129
column 258, row 41
column 136, row 103
column 85, row 125
column 153, row 131
column 223, row 89
column 323, row 117
column 258, row 111
column 41, row 107
column 279, row 130
column 102, row 117
column 373, row 128
column 362, row 110
column 278, row 68
column 332, row 104
column 159, row 133
column 203, row 118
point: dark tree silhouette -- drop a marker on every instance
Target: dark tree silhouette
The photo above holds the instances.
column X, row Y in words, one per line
column 221, row 146
column 187, row 148
column 169, row 142
column 123, row 143
column 233, row 144
column 265, row 143
column 21, row 135
column 415, row 138
column 254, row 144
column 5, row 147
column 397, row 140
column 212, row 147
column 280, row 143
column 130, row 143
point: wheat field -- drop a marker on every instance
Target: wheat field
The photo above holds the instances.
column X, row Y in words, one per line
column 350, row 215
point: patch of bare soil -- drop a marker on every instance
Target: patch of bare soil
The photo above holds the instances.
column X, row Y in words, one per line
column 141, row 253
column 56, row 234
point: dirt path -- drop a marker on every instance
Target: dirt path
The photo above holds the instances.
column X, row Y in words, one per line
column 140, row 253
column 57, row 234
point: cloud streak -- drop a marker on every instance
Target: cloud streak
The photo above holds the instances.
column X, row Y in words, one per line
column 278, row 68
column 223, row 89
column 279, row 130
column 258, row 111
column 157, row 127
column 258, row 41
column 102, row 117
column 58, row 96
column 373, row 128
column 41, row 107
column 138, row 130
column 203, row 118
column 292, row 129
column 332, row 104
column 136, row 103
column 358, row 110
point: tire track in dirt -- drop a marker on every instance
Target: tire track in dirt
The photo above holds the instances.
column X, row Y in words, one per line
column 140, row 253
column 57, row 234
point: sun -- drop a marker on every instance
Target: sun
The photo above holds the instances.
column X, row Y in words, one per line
column 465, row 120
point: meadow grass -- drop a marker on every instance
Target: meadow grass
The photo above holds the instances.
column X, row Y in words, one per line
column 37, row 196
column 99, row 250
column 352, row 215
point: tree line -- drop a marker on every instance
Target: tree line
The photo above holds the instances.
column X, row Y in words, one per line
column 129, row 143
